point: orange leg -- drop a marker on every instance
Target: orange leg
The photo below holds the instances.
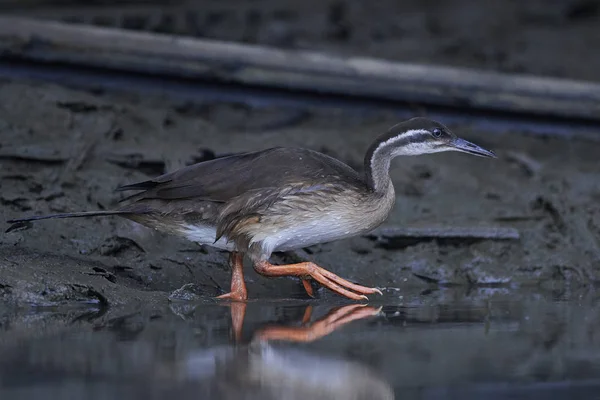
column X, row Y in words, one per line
column 335, row 319
column 238, row 286
column 324, row 277
column 308, row 287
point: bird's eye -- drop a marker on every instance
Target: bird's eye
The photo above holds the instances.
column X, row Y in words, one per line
column 437, row 132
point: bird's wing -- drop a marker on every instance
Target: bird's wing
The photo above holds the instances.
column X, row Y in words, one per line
column 226, row 178
column 250, row 207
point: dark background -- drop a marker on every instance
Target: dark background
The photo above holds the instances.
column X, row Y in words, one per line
column 552, row 37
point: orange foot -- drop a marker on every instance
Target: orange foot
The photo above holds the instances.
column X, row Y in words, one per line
column 238, row 286
column 335, row 319
column 321, row 275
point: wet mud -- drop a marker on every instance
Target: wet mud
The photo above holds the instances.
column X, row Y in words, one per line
column 67, row 150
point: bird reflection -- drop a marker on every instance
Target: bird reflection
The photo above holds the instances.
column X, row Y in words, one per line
column 307, row 332
column 261, row 370
column 165, row 359
column 336, row 318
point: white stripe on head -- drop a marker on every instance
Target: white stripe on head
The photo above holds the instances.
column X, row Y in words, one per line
column 412, row 147
column 380, row 163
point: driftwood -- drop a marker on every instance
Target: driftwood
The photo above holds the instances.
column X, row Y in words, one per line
column 183, row 57
column 399, row 237
column 492, row 233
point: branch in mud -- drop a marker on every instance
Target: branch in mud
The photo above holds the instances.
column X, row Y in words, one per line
column 395, row 238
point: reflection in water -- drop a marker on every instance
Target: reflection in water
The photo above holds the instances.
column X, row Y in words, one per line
column 422, row 348
column 94, row 365
column 262, row 371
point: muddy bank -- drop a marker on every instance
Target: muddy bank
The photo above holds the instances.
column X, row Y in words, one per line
column 66, row 150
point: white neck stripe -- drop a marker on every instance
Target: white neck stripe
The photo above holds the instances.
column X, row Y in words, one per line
column 392, row 140
column 377, row 168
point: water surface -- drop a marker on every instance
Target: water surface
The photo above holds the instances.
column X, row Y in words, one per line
column 435, row 346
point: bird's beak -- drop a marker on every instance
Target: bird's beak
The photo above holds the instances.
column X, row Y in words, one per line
column 459, row 144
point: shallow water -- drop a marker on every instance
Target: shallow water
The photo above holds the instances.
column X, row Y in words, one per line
column 446, row 345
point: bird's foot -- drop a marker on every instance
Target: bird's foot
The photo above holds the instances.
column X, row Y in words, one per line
column 334, row 320
column 338, row 284
column 239, row 295
column 328, row 279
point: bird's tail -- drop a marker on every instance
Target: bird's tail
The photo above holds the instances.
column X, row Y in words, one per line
column 17, row 223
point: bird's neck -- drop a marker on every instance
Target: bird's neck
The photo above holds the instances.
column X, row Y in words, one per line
column 377, row 173
column 378, row 158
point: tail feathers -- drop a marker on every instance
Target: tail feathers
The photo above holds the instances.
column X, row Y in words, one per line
column 20, row 222
column 144, row 186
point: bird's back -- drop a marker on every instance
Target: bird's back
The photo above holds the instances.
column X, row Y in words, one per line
column 225, row 178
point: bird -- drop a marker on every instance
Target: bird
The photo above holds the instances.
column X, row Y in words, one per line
column 280, row 199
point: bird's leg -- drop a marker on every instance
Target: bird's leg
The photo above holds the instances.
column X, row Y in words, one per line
column 238, row 286
column 335, row 319
column 308, row 287
column 238, row 294
column 324, row 277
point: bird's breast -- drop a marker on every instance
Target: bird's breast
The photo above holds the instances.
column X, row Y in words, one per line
column 343, row 216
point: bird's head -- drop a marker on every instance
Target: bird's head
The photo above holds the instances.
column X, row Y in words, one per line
column 418, row 136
